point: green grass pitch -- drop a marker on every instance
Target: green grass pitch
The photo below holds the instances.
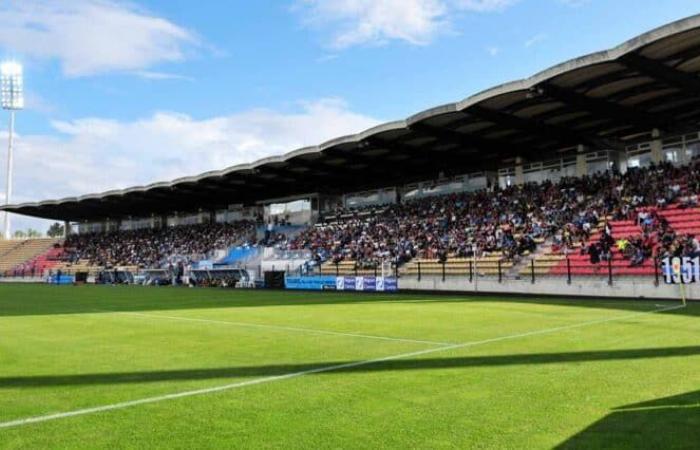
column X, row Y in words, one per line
column 194, row 368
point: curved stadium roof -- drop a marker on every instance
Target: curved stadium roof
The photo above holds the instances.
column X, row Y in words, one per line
column 605, row 100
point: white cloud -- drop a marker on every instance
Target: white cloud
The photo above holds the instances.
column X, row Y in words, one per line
column 484, row 5
column 152, row 75
column 536, row 39
column 94, row 154
column 376, row 21
column 493, row 50
column 573, row 3
column 418, row 22
column 90, row 37
column 327, row 57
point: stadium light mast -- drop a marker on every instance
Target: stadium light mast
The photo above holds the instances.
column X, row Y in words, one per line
column 12, row 99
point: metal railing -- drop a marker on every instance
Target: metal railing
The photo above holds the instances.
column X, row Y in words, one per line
column 528, row 272
column 470, row 272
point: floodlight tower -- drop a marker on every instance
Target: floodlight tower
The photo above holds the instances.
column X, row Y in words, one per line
column 12, row 99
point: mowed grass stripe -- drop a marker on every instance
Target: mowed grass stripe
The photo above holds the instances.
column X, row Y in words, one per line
column 284, row 328
column 226, row 387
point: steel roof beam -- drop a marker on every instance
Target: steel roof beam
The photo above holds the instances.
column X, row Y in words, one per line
column 494, row 148
column 564, row 135
column 602, row 108
column 465, row 141
column 659, row 71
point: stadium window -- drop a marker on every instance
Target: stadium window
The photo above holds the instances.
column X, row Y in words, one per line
column 672, row 155
column 295, row 212
column 692, row 150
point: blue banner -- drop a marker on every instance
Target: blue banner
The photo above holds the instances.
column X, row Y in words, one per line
column 389, row 284
column 310, row 283
column 348, row 284
column 359, row 284
column 64, row 279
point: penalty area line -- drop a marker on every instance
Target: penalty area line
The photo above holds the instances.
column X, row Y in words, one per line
column 349, row 365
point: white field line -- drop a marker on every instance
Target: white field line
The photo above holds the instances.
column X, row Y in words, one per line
column 226, row 387
column 284, row 328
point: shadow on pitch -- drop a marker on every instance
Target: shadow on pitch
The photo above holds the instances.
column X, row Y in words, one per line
column 23, row 300
column 394, row 365
column 671, row 422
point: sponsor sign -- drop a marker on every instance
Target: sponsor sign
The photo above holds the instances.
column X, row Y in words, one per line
column 310, row 283
column 361, row 284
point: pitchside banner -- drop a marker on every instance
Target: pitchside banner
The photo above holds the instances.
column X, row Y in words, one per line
column 679, row 270
column 64, row 279
column 310, row 283
column 362, row 284
column 366, row 284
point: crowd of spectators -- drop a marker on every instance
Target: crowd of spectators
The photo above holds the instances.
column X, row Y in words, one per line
column 510, row 221
column 507, row 221
column 636, row 196
column 157, row 247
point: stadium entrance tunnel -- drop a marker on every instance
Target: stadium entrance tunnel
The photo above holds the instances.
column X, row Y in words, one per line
column 649, row 424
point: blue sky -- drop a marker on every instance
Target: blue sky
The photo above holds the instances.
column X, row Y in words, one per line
column 122, row 93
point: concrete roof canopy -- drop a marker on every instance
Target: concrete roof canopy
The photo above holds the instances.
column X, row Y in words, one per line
column 605, row 100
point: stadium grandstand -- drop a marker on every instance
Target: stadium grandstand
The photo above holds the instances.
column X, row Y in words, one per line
column 516, row 270
column 586, row 170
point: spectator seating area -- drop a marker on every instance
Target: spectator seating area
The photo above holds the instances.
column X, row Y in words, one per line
column 349, row 268
column 506, row 222
column 581, row 261
column 42, row 262
column 682, row 220
column 83, row 265
column 542, row 265
column 239, row 255
column 24, row 256
column 588, row 223
column 7, row 245
column 683, row 225
column 486, row 265
column 154, row 247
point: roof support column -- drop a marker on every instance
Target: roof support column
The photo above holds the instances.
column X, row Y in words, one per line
column 66, row 229
column 657, row 153
column 519, row 175
column 581, row 163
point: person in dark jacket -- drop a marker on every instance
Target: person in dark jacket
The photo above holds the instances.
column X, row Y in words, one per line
column 594, row 253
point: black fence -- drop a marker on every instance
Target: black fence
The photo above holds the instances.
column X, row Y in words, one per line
column 605, row 271
column 21, row 273
column 471, row 272
column 530, row 272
